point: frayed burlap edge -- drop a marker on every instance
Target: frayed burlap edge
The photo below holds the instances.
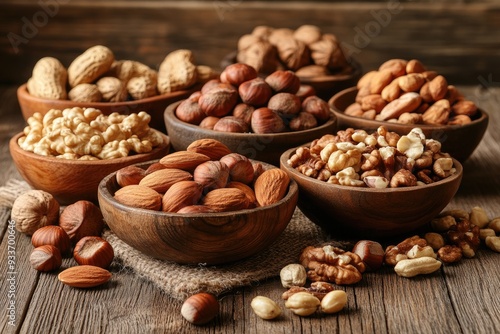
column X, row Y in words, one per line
column 181, row 281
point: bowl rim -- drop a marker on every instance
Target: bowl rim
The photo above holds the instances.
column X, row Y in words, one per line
column 340, row 114
column 102, row 191
column 230, row 59
column 22, row 93
column 13, row 145
column 288, row 153
column 170, row 114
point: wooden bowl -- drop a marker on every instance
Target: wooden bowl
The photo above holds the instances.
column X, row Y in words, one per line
column 263, row 147
column 208, row 238
column 326, row 85
column 154, row 106
column 458, row 140
column 369, row 212
column 72, row 180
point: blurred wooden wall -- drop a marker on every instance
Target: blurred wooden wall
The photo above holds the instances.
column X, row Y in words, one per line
column 460, row 39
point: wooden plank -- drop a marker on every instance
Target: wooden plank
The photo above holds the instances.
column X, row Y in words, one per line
column 460, row 40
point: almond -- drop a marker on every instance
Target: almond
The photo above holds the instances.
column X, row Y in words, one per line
column 139, row 196
column 181, row 194
column 185, row 160
column 84, row 276
column 411, row 82
column 381, row 79
column 391, row 91
column 252, row 201
column 209, row 147
column 226, row 199
column 373, row 101
column 397, row 67
column 161, row 180
column 271, row 186
column 438, row 113
column 406, row 103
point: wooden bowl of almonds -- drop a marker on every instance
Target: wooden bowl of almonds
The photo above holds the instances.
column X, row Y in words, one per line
column 70, row 175
column 403, row 94
column 357, row 188
column 191, row 209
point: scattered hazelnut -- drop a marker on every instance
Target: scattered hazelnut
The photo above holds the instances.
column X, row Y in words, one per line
column 370, row 252
column 52, row 235
column 45, row 258
column 93, row 251
column 200, row 308
column 81, row 219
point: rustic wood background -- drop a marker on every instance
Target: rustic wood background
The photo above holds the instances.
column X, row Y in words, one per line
column 458, row 38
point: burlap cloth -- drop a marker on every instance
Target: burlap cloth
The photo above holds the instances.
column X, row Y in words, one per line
column 180, row 281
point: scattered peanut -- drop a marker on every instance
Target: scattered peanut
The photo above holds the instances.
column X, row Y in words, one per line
column 493, row 243
column 334, row 301
column 265, row 308
column 302, row 303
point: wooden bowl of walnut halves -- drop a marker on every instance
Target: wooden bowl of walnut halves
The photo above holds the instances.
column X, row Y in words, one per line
column 68, row 163
column 401, row 95
column 374, row 185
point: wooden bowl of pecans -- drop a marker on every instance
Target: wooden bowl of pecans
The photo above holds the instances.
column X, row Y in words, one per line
column 72, row 180
column 379, row 196
column 195, row 234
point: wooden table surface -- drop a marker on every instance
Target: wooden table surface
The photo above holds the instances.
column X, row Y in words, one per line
column 461, row 298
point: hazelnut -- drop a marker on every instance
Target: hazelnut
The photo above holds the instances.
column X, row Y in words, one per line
column 200, row 308
column 305, row 91
column 240, row 167
column 81, row 219
column 244, row 112
column 211, row 175
column 236, row 74
column 264, row 120
column 34, row 209
column 93, row 251
column 231, row 124
column 129, row 175
column 317, row 107
column 370, row 252
column 209, row 122
column 45, row 258
column 255, row 92
column 285, row 103
column 52, row 235
column 283, row 81
column 218, row 101
column 303, row 121
column 210, row 84
column 189, row 111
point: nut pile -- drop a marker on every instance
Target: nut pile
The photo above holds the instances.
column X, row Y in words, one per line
column 378, row 160
column 240, row 101
column 406, row 92
column 206, row 177
column 75, row 231
column 307, row 51
column 96, row 76
column 87, row 134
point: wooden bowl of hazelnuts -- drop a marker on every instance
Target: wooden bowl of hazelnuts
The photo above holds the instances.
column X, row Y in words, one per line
column 401, row 95
column 259, row 118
